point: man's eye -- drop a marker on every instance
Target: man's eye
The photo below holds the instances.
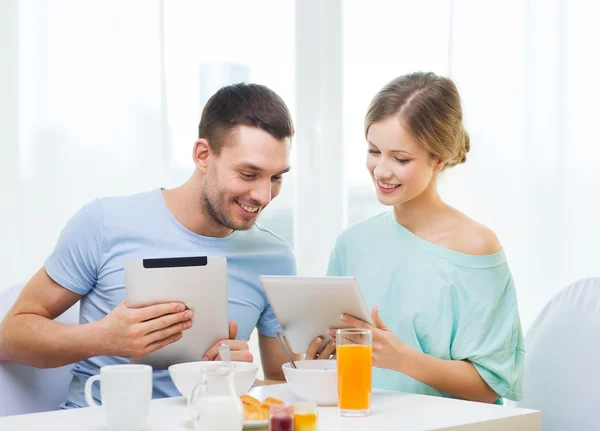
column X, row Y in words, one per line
column 276, row 178
column 248, row 176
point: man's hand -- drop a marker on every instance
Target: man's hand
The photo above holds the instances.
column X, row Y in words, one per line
column 328, row 352
column 239, row 349
column 136, row 332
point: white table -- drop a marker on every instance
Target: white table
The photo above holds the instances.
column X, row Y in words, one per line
column 390, row 411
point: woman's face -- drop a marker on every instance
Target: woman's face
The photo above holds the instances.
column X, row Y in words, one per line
column 400, row 167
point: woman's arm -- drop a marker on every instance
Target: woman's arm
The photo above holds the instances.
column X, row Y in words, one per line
column 455, row 377
column 458, row 378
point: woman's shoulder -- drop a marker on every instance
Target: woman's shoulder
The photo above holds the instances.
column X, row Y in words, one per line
column 365, row 229
column 472, row 237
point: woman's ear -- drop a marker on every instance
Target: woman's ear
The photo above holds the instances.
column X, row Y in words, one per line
column 202, row 151
column 438, row 165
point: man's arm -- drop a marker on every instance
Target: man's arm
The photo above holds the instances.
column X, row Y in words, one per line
column 29, row 335
column 272, row 358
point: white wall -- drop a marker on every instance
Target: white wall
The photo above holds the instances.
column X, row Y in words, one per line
column 10, row 199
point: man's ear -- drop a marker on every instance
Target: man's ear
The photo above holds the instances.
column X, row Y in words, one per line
column 202, row 152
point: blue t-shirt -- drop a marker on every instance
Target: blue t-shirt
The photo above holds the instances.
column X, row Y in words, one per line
column 441, row 302
column 106, row 233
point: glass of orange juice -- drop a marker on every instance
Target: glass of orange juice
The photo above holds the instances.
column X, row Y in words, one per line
column 354, row 348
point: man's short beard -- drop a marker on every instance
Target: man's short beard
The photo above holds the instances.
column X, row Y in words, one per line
column 215, row 215
column 218, row 217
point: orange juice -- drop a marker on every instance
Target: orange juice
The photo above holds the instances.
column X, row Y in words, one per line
column 305, row 422
column 305, row 416
column 354, row 376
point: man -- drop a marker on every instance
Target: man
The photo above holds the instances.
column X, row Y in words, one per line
column 241, row 155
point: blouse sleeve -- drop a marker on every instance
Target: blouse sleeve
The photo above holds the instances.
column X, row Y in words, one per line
column 335, row 266
column 489, row 335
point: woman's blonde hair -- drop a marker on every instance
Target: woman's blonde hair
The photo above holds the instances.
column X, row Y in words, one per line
column 429, row 105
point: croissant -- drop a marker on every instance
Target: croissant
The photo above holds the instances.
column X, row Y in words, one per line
column 254, row 410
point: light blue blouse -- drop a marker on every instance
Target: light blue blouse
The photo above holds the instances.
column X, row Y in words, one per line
column 441, row 302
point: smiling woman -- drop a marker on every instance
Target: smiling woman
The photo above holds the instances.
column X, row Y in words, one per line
column 442, row 285
column 414, row 130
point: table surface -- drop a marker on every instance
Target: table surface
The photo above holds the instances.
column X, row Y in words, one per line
column 390, row 410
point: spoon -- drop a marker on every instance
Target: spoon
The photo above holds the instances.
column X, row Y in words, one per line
column 225, row 353
column 283, row 345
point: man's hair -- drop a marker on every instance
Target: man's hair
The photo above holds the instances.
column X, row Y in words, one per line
column 251, row 105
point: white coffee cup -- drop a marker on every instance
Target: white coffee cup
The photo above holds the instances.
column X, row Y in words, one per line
column 126, row 391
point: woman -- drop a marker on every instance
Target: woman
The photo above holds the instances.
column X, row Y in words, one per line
column 438, row 279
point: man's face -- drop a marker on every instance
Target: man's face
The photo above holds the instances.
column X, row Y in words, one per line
column 244, row 177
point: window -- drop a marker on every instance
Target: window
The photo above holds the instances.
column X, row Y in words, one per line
column 206, row 47
column 382, row 40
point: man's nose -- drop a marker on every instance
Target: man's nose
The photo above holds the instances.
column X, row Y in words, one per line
column 262, row 193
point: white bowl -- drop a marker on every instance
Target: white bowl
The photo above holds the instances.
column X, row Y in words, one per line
column 187, row 375
column 314, row 380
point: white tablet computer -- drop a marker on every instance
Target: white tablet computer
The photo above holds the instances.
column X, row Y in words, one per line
column 307, row 307
column 200, row 282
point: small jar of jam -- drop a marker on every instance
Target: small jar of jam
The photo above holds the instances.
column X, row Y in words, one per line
column 305, row 416
column 281, row 418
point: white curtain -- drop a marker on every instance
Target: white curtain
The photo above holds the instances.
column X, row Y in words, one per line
column 528, row 74
column 84, row 115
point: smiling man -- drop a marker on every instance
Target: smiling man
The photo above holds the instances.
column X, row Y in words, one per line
column 241, row 155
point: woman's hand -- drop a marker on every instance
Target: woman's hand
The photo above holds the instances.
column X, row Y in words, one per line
column 388, row 350
column 457, row 377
